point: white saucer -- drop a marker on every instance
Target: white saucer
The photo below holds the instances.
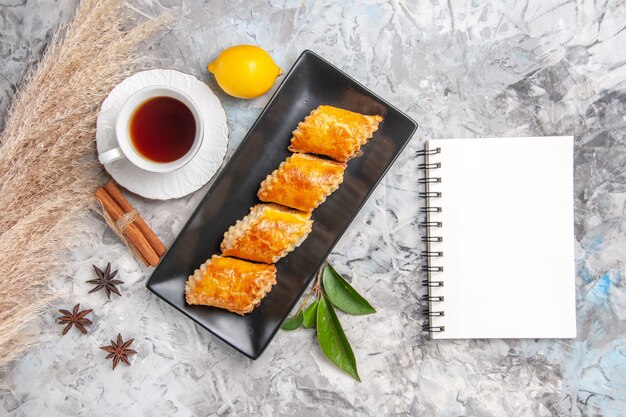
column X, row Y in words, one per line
column 186, row 179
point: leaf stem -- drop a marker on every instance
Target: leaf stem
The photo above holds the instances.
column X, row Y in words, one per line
column 316, row 288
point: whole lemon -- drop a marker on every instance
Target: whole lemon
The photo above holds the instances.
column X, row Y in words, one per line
column 245, row 71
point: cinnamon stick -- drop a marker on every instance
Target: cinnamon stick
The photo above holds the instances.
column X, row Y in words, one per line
column 131, row 232
column 150, row 236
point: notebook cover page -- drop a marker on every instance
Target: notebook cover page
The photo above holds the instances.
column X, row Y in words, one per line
column 508, row 237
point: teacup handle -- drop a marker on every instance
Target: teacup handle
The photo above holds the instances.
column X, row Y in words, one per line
column 110, row 156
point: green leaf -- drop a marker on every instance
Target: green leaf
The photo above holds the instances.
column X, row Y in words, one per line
column 292, row 323
column 310, row 314
column 342, row 295
column 333, row 340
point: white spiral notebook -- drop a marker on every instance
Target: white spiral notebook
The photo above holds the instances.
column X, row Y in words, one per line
column 500, row 238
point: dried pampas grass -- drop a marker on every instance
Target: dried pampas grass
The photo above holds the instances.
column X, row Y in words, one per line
column 48, row 165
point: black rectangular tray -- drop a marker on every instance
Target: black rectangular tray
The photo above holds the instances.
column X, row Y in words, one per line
column 312, row 81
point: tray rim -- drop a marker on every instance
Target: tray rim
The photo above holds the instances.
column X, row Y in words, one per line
column 302, row 56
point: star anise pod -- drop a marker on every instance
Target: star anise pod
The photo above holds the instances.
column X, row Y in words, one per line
column 76, row 318
column 105, row 280
column 119, row 351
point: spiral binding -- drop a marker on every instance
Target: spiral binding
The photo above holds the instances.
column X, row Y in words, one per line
column 430, row 255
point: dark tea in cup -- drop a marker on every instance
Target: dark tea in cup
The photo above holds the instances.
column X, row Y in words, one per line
column 159, row 128
column 162, row 129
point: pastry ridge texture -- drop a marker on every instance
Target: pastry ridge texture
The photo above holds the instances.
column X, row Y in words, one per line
column 302, row 182
column 334, row 132
column 231, row 284
column 267, row 233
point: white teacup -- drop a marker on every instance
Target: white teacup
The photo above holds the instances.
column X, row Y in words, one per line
column 127, row 150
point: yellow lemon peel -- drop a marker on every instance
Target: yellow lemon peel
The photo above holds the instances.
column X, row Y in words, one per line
column 245, row 71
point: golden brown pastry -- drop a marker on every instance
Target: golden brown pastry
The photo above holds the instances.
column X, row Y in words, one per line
column 267, row 233
column 302, row 182
column 334, row 132
column 231, row 284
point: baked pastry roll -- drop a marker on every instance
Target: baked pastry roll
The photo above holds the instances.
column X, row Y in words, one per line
column 302, row 182
column 267, row 233
column 334, row 132
column 231, row 284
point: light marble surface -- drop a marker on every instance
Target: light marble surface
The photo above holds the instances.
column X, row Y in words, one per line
column 460, row 69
